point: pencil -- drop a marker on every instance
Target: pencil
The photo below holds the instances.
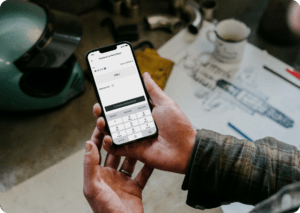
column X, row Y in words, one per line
column 238, row 131
column 280, row 76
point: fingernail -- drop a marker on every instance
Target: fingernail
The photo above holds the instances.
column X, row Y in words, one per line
column 88, row 148
column 95, row 105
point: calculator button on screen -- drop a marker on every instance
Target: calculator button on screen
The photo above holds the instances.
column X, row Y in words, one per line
column 119, row 134
column 131, row 124
column 117, row 128
column 115, row 122
column 145, row 120
column 143, row 114
column 147, row 126
column 121, row 140
column 129, row 118
column 133, row 130
column 135, row 136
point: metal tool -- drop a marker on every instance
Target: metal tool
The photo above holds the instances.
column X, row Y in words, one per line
column 198, row 20
column 193, row 10
column 176, row 6
column 132, row 8
column 163, row 22
column 38, row 67
column 208, row 7
column 188, row 8
column 116, row 6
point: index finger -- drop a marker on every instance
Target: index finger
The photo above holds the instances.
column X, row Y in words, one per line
column 97, row 138
column 157, row 95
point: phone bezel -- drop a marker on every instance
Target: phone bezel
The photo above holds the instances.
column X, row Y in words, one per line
column 112, row 48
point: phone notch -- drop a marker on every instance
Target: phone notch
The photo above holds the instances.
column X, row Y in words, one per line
column 108, row 49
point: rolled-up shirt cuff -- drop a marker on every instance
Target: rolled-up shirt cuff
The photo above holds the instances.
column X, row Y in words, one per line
column 185, row 184
column 197, row 198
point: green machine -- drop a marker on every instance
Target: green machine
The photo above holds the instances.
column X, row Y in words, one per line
column 38, row 69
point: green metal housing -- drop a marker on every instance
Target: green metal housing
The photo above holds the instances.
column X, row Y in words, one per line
column 21, row 26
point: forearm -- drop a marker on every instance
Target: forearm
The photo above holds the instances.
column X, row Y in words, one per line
column 226, row 170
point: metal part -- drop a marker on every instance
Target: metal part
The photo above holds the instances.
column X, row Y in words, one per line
column 126, row 172
column 286, row 200
column 163, row 21
column 116, row 6
column 198, row 20
column 191, row 9
column 208, row 7
column 63, row 31
column 132, row 8
column 176, row 6
column 133, row 11
column 127, row 3
column 197, row 23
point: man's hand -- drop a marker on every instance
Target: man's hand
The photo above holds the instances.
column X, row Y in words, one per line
column 105, row 188
column 171, row 149
column 294, row 17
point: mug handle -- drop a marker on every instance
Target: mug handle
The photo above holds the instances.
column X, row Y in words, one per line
column 209, row 36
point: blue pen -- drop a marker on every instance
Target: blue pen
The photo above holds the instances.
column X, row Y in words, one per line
column 242, row 134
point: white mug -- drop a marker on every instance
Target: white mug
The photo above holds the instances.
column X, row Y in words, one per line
column 230, row 42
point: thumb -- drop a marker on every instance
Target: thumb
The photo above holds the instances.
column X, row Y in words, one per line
column 92, row 161
column 158, row 97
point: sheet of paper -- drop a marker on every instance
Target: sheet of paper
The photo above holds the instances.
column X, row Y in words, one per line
column 212, row 94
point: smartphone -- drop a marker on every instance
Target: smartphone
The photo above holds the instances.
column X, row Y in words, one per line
column 121, row 93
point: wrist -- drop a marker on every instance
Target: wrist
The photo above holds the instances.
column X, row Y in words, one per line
column 189, row 151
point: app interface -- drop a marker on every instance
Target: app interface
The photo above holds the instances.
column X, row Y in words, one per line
column 122, row 94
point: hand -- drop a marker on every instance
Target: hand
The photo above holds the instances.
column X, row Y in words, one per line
column 171, row 149
column 294, row 17
column 108, row 190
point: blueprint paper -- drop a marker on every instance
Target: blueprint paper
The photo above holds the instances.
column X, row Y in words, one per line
column 211, row 94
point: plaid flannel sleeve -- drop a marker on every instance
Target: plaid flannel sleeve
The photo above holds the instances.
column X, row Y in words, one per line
column 224, row 169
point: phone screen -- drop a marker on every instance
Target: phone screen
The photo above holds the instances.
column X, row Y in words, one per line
column 122, row 94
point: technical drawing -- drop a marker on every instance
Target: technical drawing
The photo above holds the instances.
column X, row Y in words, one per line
column 255, row 104
column 243, row 94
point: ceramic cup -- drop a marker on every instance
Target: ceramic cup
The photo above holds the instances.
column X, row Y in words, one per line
column 231, row 38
